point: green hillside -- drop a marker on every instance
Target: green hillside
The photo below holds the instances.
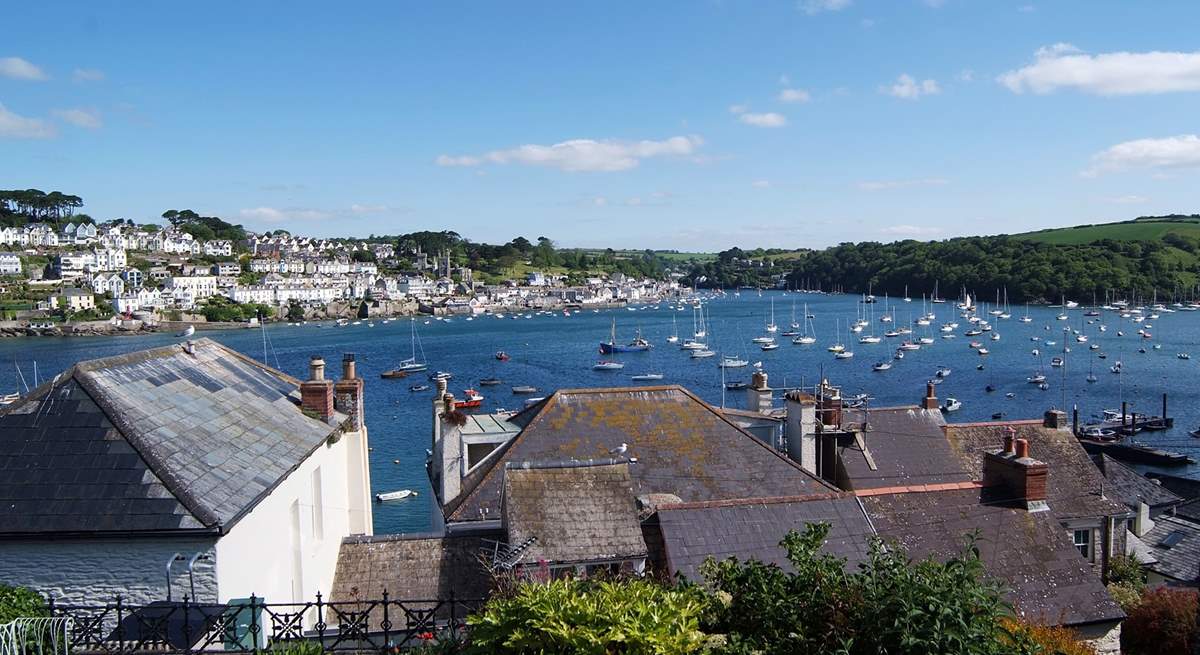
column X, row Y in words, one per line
column 1146, row 228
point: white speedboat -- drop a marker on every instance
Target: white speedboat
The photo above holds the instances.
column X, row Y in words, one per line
column 646, row 377
column 732, row 362
column 952, row 405
column 881, row 366
column 607, row 365
column 702, row 353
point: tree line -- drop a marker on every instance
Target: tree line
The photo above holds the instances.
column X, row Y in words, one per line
column 36, row 205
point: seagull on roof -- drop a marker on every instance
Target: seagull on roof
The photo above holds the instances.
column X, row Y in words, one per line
column 191, row 329
column 619, row 450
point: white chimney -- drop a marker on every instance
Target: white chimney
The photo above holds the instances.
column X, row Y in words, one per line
column 1142, row 523
column 800, row 433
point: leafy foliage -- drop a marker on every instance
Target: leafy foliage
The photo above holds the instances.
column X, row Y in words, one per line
column 220, row 308
column 890, row 605
column 303, row 647
column 1051, row 640
column 204, row 228
column 1164, row 622
column 19, row 602
column 593, row 617
column 20, row 206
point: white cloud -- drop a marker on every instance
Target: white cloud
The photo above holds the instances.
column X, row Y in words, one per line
column 814, row 7
column 794, row 95
column 1181, row 151
column 15, row 126
column 19, row 69
column 966, row 75
column 274, row 215
column 368, row 209
column 761, row 184
column 1063, row 66
column 1127, row 200
column 887, row 185
column 908, row 88
column 582, row 154
column 738, row 109
column 86, row 118
column 600, row 201
column 769, row 119
column 88, row 75
column 911, row 231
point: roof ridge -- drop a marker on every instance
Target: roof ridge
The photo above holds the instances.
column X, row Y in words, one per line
column 769, row 500
column 998, row 424
column 919, row 488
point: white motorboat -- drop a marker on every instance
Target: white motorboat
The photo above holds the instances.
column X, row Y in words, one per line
column 607, row 365
column 646, row 377
column 395, row 495
column 952, row 405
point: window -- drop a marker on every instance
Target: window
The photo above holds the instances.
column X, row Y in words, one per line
column 318, row 502
column 1083, row 542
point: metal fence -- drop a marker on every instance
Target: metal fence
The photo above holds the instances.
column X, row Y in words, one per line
column 252, row 625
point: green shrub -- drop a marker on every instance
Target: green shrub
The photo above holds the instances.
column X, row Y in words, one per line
column 590, row 617
column 890, row 605
column 20, row 602
column 304, row 647
column 1164, row 622
column 1125, row 570
column 1127, row 596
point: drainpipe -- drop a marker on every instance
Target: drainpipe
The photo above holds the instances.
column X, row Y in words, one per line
column 177, row 557
column 191, row 578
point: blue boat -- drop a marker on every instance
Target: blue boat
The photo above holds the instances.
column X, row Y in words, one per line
column 611, row 346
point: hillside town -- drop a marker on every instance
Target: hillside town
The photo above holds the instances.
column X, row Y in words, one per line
column 117, row 270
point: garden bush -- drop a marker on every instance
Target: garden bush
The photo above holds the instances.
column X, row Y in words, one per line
column 1164, row 622
column 19, row 602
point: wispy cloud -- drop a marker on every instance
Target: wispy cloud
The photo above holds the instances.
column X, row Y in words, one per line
column 768, row 119
column 357, row 208
column 911, row 231
column 1127, row 200
column 15, row 126
column 88, row 119
column 1182, row 151
column 582, row 154
column 20, row 69
column 887, row 185
column 761, row 184
column 909, row 88
column 1063, row 66
column 275, row 215
column 88, row 75
column 794, row 95
column 814, row 7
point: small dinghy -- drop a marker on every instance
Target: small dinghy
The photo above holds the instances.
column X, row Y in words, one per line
column 395, row 495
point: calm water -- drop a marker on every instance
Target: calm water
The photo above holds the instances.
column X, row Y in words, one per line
column 552, row 351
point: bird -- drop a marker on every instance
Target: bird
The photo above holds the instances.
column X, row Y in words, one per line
column 191, row 329
column 619, row 450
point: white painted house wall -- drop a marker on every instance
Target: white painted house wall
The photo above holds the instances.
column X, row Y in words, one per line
column 95, row 571
column 258, row 555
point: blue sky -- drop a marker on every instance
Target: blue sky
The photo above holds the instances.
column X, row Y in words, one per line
column 695, row 126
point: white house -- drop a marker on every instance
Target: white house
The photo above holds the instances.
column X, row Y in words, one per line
column 105, row 259
column 108, row 283
column 10, row 263
column 200, row 286
column 76, row 300
column 138, row 299
column 189, row 464
column 218, row 248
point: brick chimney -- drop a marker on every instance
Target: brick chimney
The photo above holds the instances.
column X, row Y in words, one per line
column 1018, row 477
column 829, row 405
column 348, row 393
column 316, row 393
column 1055, row 419
column 930, row 400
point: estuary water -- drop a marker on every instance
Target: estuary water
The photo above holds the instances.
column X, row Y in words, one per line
column 550, row 351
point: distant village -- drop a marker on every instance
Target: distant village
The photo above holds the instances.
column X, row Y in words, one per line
column 119, row 272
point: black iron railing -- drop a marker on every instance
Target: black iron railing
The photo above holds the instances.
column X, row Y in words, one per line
column 252, row 625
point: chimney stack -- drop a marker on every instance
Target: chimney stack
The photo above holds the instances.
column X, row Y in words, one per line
column 348, row 392
column 1020, row 478
column 930, row 401
column 1009, row 437
column 1055, row 419
column 829, row 405
column 758, row 396
column 316, row 393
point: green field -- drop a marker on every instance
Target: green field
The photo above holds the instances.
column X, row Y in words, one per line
column 1137, row 230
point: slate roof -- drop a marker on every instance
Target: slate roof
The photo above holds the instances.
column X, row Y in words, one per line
column 753, row 529
column 1074, row 486
column 683, row 446
column 1029, row 553
column 1186, row 488
column 902, row 446
column 411, row 567
column 1180, row 561
column 156, row 440
column 1129, row 487
column 578, row 513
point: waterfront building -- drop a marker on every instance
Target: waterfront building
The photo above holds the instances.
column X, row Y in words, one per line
column 10, row 263
column 183, row 470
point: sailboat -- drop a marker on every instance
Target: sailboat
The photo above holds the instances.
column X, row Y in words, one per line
column 412, row 364
column 837, row 347
column 1026, row 318
column 809, row 334
column 906, row 298
column 637, row 345
column 841, row 352
column 674, row 338
column 771, row 327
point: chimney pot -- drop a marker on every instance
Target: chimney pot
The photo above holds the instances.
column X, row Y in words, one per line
column 930, row 401
column 316, row 368
column 441, row 386
column 1009, row 438
column 348, row 368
